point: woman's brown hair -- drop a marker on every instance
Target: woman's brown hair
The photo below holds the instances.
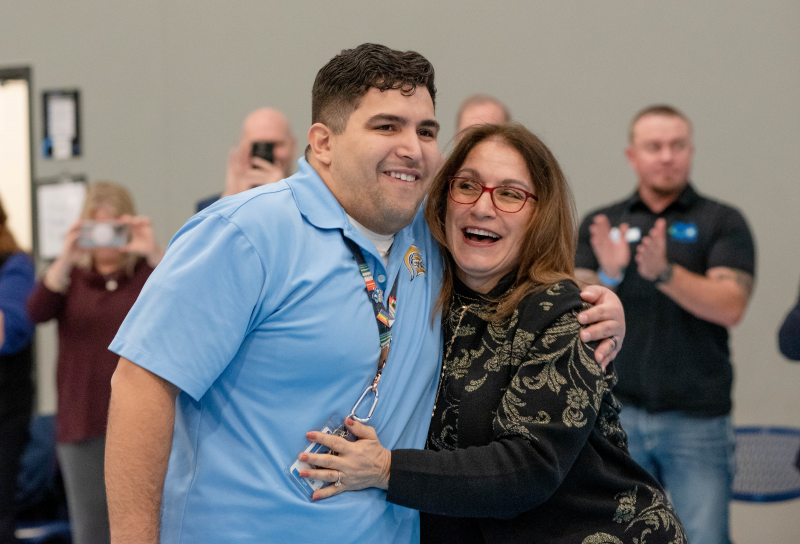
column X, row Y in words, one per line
column 7, row 241
column 547, row 254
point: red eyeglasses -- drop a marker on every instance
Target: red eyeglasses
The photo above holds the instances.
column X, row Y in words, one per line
column 506, row 199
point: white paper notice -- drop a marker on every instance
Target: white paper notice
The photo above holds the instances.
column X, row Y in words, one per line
column 59, row 206
column 61, row 125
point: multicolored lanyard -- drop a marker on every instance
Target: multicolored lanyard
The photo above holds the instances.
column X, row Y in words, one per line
column 384, row 315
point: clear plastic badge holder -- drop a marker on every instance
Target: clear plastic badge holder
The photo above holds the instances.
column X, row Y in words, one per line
column 307, row 486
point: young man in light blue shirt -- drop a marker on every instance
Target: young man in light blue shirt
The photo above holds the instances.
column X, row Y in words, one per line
column 256, row 327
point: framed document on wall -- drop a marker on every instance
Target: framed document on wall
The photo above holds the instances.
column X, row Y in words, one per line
column 58, row 205
column 62, row 127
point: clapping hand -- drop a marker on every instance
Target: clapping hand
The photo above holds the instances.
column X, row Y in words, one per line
column 613, row 255
column 651, row 255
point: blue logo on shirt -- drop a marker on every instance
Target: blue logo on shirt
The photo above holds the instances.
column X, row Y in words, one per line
column 683, row 232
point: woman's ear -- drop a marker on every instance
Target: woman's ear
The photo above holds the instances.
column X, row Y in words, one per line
column 319, row 140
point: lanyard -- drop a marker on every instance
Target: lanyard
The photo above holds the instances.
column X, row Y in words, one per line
column 383, row 315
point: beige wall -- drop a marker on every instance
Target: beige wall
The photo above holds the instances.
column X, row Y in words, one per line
column 166, row 83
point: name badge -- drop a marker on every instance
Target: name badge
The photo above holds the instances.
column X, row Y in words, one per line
column 683, row 232
column 307, row 486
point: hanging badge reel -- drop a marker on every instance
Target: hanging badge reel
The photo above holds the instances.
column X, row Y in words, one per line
column 335, row 426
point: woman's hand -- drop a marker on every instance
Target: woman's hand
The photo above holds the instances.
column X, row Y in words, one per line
column 72, row 252
column 361, row 464
column 143, row 243
column 56, row 278
column 608, row 322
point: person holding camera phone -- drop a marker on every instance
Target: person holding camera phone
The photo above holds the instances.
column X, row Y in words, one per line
column 265, row 154
column 108, row 255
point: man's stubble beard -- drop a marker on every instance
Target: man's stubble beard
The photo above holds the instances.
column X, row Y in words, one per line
column 393, row 219
column 670, row 191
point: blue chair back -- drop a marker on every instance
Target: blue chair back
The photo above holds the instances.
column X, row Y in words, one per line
column 767, row 464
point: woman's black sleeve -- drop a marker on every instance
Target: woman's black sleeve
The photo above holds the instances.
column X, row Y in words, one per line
column 541, row 425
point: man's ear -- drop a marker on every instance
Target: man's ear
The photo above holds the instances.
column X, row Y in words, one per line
column 319, row 139
column 629, row 154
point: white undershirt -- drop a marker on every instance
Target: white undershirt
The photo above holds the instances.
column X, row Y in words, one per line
column 382, row 242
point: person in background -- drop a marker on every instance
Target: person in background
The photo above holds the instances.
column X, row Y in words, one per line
column 246, row 171
column 89, row 292
column 789, row 335
column 525, row 443
column 683, row 266
column 481, row 109
column 16, row 362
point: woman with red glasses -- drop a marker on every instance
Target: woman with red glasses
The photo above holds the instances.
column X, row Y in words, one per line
column 525, row 443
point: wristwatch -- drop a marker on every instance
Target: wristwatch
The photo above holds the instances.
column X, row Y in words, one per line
column 665, row 275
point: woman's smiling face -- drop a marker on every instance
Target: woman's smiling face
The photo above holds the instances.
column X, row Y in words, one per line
column 484, row 241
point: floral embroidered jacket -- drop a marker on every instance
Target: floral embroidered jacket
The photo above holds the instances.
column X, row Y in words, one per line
column 525, row 443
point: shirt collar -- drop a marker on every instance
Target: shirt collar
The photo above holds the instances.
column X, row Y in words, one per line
column 686, row 200
column 320, row 208
column 314, row 200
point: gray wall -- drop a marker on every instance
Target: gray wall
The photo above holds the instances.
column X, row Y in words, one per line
column 166, row 83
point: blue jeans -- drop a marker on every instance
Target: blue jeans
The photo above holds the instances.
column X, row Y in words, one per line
column 693, row 458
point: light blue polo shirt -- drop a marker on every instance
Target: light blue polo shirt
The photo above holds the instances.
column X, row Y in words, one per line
column 258, row 313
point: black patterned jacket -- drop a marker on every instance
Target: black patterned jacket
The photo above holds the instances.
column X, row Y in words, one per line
column 525, row 443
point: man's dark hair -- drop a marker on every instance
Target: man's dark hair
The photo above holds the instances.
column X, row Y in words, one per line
column 341, row 83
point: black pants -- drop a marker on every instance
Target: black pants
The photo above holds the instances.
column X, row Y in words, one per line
column 13, row 438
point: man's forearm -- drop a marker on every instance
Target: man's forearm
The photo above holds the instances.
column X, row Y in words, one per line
column 586, row 277
column 140, row 424
column 719, row 300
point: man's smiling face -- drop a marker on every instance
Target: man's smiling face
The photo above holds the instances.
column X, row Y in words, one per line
column 383, row 162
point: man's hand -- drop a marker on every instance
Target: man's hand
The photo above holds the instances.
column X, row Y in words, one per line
column 613, row 255
column 651, row 255
column 608, row 322
column 245, row 172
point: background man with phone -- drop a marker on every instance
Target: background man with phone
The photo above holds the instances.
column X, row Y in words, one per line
column 265, row 154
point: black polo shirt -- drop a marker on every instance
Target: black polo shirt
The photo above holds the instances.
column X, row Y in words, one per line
column 672, row 360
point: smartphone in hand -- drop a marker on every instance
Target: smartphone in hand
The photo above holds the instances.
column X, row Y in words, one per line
column 103, row 234
column 264, row 150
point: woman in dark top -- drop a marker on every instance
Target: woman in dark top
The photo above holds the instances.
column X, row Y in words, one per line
column 90, row 292
column 16, row 361
column 525, row 443
column 789, row 336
